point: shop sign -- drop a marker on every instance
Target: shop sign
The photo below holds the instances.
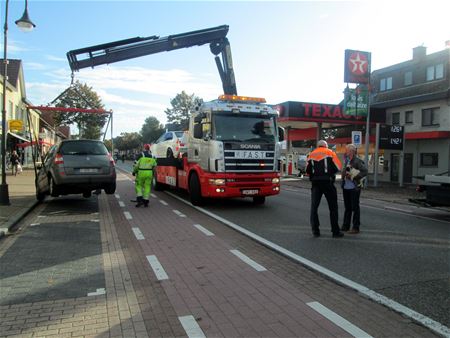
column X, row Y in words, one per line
column 356, row 102
column 357, row 66
column 16, row 125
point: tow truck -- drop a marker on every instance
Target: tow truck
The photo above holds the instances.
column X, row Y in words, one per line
column 233, row 144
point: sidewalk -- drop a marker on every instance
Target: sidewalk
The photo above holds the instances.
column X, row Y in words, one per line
column 22, row 196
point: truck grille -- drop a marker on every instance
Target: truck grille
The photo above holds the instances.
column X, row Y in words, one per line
column 238, row 164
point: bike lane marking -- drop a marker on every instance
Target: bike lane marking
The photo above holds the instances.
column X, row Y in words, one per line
column 191, row 327
column 138, row 234
column 204, row 230
column 157, row 268
column 338, row 320
column 127, row 215
column 248, row 260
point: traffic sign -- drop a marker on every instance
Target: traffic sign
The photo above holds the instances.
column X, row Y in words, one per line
column 357, row 138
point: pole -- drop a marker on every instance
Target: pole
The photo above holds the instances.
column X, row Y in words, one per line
column 112, row 140
column 402, row 162
column 377, row 145
column 366, row 157
column 4, row 193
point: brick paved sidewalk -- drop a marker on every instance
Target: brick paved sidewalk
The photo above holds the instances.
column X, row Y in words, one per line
column 201, row 287
column 231, row 286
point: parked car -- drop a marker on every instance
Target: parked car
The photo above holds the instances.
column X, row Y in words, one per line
column 301, row 164
column 168, row 145
column 76, row 167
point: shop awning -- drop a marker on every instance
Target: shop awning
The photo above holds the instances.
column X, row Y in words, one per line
column 18, row 136
column 27, row 144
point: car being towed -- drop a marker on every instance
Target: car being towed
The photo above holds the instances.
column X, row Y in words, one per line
column 76, row 167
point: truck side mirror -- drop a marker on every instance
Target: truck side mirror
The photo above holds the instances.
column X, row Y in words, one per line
column 198, row 131
column 281, row 134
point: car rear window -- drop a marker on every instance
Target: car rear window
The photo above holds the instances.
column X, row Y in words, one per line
column 179, row 134
column 83, row 148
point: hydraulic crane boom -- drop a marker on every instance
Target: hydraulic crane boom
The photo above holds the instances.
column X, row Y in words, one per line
column 137, row 47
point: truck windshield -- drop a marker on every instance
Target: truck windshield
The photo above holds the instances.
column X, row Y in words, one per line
column 244, row 128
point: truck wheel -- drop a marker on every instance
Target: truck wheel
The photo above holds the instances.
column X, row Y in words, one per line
column 156, row 185
column 259, row 200
column 195, row 190
column 169, row 153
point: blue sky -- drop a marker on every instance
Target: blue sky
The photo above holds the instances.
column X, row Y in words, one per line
column 281, row 50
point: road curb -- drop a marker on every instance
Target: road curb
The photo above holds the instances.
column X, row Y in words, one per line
column 17, row 218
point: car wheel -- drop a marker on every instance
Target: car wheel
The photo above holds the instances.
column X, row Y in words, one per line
column 111, row 188
column 195, row 190
column 52, row 187
column 87, row 194
column 259, row 200
column 169, row 153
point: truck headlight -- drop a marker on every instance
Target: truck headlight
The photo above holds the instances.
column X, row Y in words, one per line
column 217, row 181
column 275, row 180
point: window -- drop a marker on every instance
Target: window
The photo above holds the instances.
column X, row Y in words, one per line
column 435, row 72
column 430, row 117
column 396, row 118
column 429, row 159
column 409, row 116
column 408, row 79
column 385, row 84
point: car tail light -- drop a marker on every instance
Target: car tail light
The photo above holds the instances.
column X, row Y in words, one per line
column 59, row 159
column 111, row 160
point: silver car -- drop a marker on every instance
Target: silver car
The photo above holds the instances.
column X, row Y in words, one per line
column 76, row 167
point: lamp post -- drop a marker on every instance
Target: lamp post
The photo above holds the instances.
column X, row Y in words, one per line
column 25, row 25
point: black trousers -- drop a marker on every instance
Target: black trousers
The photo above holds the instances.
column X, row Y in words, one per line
column 328, row 189
column 351, row 203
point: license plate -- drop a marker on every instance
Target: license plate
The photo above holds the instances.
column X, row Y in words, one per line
column 250, row 154
column 250, row 192
column 88, row 170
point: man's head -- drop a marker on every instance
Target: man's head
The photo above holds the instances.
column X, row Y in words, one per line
column 322, row 143
column 350, row 150
column 147, row 147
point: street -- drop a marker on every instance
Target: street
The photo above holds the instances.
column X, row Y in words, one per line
column 87, row 273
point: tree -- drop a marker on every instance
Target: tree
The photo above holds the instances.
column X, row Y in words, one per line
column 81, row 96
column 151, row 130
column 182, row 104
column 128, row 141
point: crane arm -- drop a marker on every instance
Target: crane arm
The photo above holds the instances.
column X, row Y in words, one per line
column 136, row 47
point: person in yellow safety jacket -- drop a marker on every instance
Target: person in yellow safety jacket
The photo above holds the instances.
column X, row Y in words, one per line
column 323, row 164
column 143, row 170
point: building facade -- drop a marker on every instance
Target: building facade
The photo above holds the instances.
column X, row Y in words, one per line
column 416, row 95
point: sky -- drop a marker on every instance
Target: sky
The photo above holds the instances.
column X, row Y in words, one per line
column 282, row 51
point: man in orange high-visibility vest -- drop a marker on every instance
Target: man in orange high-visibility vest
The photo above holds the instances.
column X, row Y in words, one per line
column 323, row 164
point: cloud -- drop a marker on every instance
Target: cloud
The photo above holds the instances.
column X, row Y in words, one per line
column 55, row 58
column 34, row 66
column 14, row 47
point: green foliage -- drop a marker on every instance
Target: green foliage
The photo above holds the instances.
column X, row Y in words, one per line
column 182, row 104
column 128, row 141
column 108, row 144
column 151, row 130
column 81, row 96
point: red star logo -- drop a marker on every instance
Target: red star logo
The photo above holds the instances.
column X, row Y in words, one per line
column 358, row 63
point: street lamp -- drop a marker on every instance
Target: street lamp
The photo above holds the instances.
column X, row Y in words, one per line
column 26, row 25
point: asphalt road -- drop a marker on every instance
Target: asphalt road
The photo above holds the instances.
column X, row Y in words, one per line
column 402, row 255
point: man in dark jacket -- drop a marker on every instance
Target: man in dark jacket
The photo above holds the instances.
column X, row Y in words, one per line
column 323, row 164
column 352, row 180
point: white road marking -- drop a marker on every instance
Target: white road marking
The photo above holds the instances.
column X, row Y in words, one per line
column 117, row 196
column 191, row 327
column 122, row 204
column 379, row 298
column 41, row 216
column 127, row 215
column 56, row 212
column 338, row 320
column 204, row 230
column 153, row 195
column 163, row 202
column 95, row 220
column 138, row 234
column 99, row 292
column 248, row 260
column 34, row 224
column 179, row 213
column 157, row 267
column 398, row 209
